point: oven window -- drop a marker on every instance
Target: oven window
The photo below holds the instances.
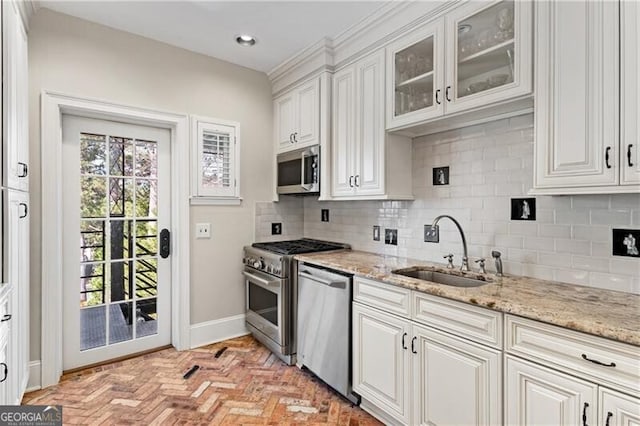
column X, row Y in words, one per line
column 289, row 172
column 263, row 303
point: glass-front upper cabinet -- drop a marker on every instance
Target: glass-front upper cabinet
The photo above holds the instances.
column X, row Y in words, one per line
column 415, row 65
column 487, row 59
column 488, row 53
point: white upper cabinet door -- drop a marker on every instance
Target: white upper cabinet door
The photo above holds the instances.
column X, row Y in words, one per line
column 577, row 94
column 369, row 178
column 381, row 361
column 536, row 395
column 15, row 99
column 455, row 382
column 285, row 121
column 343, row 139
column 617, row 409
column 307, row 130
column 630, row 92
column 489, row 53
column 415, row 76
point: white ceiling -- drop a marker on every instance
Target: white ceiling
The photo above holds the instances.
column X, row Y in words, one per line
column 282, row 28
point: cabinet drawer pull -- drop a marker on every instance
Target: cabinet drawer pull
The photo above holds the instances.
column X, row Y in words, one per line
column 629, row 155
column 446, row 94
column 6, row 371
column 290, row 137
column 606, row 157
column 438, row 96
column 595, row 361
column 404, row 346
column 26, row 211
column 25, row 169
column 6, row 317
column 584, row 414
column 413, row 343
column 609, row 415
column 351, row 181
column 356, row 180
column 295, row 137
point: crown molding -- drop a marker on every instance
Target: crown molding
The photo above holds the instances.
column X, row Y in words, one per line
column 27, row 9
column 375, row 30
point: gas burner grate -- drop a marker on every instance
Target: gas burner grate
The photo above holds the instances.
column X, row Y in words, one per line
column 304, row 245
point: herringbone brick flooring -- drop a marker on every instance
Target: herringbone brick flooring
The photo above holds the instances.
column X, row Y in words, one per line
column 246, row 385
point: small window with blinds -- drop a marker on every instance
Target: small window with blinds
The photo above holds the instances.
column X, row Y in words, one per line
column 216, row 177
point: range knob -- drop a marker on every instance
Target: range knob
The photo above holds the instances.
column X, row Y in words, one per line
column 258, row 264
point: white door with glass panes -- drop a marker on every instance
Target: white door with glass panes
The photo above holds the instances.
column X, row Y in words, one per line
column 116, row 202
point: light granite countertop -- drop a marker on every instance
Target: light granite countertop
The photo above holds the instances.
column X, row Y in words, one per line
column 605, row 313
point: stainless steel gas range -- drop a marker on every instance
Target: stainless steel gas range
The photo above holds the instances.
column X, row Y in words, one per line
column 271, row 291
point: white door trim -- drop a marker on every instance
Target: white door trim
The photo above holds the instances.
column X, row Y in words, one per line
column 53, row 105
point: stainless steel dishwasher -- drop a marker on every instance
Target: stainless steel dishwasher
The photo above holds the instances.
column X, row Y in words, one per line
column 324, row 326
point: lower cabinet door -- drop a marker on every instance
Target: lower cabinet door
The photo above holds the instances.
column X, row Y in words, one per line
column 536, row 395
column 455, row 382
column 617, row 409
column 381, row 351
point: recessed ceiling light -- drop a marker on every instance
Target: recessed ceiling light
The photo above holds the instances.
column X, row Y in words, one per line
column 245, row 40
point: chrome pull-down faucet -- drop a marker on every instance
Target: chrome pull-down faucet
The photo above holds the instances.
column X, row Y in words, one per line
column 496, row 255
column 465, row 256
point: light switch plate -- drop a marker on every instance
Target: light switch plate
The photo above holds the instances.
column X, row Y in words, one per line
column 431, row 234
column 203, row 230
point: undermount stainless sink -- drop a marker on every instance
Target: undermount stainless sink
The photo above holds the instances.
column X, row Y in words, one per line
column 439, row 277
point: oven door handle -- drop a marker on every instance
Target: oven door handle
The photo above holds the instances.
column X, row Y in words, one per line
column 305, row 274
column 271, row 285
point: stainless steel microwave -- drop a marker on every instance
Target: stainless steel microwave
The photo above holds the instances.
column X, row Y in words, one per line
column 299, row 171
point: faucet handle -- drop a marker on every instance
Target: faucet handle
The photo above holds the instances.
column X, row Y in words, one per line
column 481, row 263
column 449, row 257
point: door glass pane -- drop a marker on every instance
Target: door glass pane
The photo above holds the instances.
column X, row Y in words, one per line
column 118, row 239
column 92, row 279
column 414, row 77
column 92, row 327
column 485, row 50
column 264, row 303
column 146, row 317
column 120, row 322
column 146, row 277
column 121, row 284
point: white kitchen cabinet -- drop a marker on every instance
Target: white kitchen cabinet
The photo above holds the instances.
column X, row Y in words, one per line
column 537, row 395
column 474, row 55
column 18, row 279
column 14, row 99
column 580, row 146
column 381, row 360
column 366, row 163
column 630, row 92
column 409, row 373
column 297, row 117
column 455, row 382
column 4, row 372
column 618, row 409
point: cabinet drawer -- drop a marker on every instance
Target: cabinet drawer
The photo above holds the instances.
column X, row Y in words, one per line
column 558, row 347
column 384, row 296
column 478, row 324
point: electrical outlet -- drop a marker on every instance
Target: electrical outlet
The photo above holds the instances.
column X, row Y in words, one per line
column 431, row 234
column 391, row 236
column 276, row 229
column 324, row 216
column 376, row 233
column 203, row 230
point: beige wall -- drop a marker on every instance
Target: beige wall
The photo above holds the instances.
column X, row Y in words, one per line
column 73, row 56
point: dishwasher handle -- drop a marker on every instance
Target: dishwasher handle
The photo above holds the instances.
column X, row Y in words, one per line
column 306, row 274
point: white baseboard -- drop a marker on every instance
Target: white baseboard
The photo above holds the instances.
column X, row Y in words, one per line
column 34, row 376
column 205, row 333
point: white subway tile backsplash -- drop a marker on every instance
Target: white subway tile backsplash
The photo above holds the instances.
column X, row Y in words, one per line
column 569, row 241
